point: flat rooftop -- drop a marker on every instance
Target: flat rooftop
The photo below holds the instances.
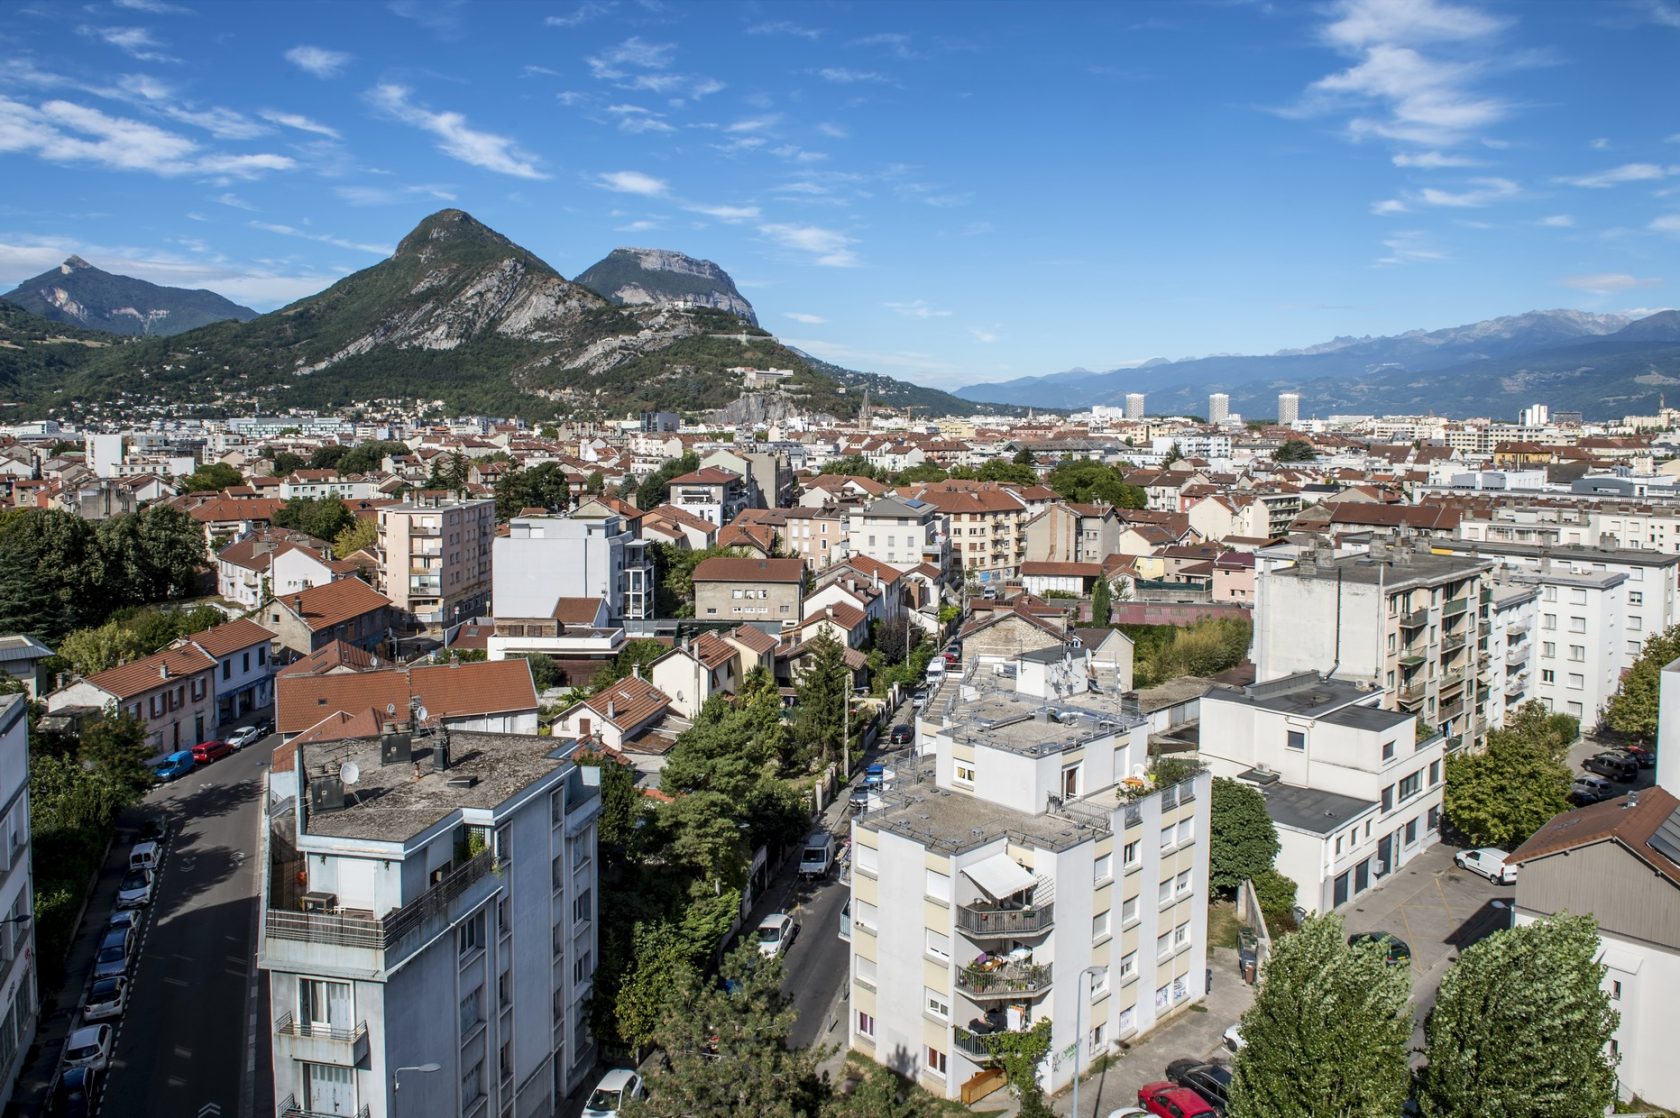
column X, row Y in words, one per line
column 1312, row 810
column 952, row 822
column 1638, row 557
column 999, row 717
column 1397, row 570
column 1563, row 576
column 1310, row 695
column 393, row 803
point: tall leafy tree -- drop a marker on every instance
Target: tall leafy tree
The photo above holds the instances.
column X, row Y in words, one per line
column 175, row 553
column 656, row 487
column 1084, row 479
column 1507, row 792
column 115, row 746
column 825, row 685
column 1295, row 450
column 100, row 648
column 1633, row 708
column 1521, row 1027
column 212, row 477
column 321, row 517
column 362, row 533
column 1020, row 1054
column 1326, row 1035
column 882, row 1093
column 1102, row 601
column 1243, row 841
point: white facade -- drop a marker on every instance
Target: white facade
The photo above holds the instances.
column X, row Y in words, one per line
column 1134, row 405
column 469, row 943
column 1289, row 408
column 1581, row 649
column 1512, row 674
column 19, row 1006
column 901, row 533
column 1219, row 407
column 542, row 559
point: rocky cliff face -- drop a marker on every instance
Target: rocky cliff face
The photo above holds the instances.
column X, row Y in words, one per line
column 642, row 276
column 77, row 293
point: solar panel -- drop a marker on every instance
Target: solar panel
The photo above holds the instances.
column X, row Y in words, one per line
column 1666, row 840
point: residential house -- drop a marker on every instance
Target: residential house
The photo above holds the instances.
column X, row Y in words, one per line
column 348, row 610
column 542, row 558
column 24, row 658
column 712, row 494
column 171, row 693
column 576, row 634
column 902, row 532
column 737, row 589
column 486, row 696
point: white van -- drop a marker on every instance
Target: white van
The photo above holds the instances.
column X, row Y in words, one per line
column 936, row 670
column 143, row 856
column 818, row 855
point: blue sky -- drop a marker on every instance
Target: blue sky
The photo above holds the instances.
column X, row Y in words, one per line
column 946, row 193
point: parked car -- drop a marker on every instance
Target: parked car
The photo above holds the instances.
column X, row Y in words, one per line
column 153, row 828
column 616, row 1088
column 1169, row 1101
column 123, row 918
column 1489, row 861
column 1591, row 790
column 1129, row 1112
column 774, row 933
column 112, row 959
column 1616, row 766
column 1234, row 1039
column 245, row 735
column 105, row 998
column 817, row 856
column 901, row 735
column 88, row 1047
column 135, row 890
column 1396, row 950
column 176, row 765
column 143, row 856
column 74, row 1094
column 207, row 751
column 1211, row 1081
column 1643, row 755
column 859, row 799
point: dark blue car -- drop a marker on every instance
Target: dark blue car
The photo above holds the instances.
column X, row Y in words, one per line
column 176, row 765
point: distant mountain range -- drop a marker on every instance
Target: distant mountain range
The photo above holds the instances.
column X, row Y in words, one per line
column 637, row 276
column 459, row 313
column 1604, row 365
column 79, row 294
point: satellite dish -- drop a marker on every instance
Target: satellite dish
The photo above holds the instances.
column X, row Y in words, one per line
column 420, row 713
column 349, row 772
column 390, row 708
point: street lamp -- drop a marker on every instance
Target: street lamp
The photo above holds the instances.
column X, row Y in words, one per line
column 1079, row 1030
column 396, row 1077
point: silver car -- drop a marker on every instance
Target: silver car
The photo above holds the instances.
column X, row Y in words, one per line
column 114, row 951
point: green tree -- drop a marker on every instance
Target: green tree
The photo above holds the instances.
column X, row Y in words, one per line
column 1522, row 1026
column 1173, row 454
column 94, row 650
column 623, row 807
column 655, row 489
column 927, row 472
column 321, row 517
column 369, row 457
column 172, row 545
column 49, row 574
column 1243, row 842
column 544, row 672
column 115, row 746
column 1102, row 601
column 1326, row 1036
column 883, row 1093
column 1295, row 450
column 675, row 591
column 996, row 469
column 1633, row 708
column 543, row 486
column 1507, row 792
column 212, row 477
column 824, row 689
column 729, row 1052
column 362, row 533
column 1083, row 480
column 1277, row 895
column 659, row 986
column 1023, row 457
column 595, row 484
column 1019, row 1054
column 284, row 461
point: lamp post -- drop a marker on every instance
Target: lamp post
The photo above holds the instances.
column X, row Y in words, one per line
column 396, row 1078
column 1079, row 1031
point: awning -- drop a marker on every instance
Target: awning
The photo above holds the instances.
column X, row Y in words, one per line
column 1000, row 876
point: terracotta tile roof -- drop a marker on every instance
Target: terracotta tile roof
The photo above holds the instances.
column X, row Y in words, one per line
column 1387, row 516
column 680, row 517
column 869, row 565
column 723, row 568
column 631, row 701
column 1610, row 821
column 334, row 656
column 755, row 639
column 223, row 640
column 712, row 650
column 221, row 509
column 737, row 534
column 843, row 615
column 322, row 607
column 445, row 690
column 710, row 475
column 576, row 611
column 147, row 673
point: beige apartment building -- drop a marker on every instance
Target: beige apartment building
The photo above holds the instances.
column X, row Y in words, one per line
column 436, row 557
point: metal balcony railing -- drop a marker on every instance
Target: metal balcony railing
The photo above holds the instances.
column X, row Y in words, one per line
column 287, row 1025
column 982, row 920
column 1417, row 619
column 1455, row 607
column 290, row 1108
column 1008, row 981
column 385, row 933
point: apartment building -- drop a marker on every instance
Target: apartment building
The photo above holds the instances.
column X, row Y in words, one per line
column 712, row 494
column 815, row 535
column 172, row 693
column 765, row 473
column 1073, row 533
column 1510, row 645
column 1042, row 874
column 436, row 557
column 19, row 1004
column 1581, row 618
column 902, row 532
column 1578, row 522
column 736, row 589
column 429, row 902
column 1355, row 790
column 549, row 557
column 987, row 527
column 1403, row 619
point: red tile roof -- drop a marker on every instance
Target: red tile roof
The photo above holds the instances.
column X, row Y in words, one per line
column 148, row 673
column 333, row 656
column 322, row 607
column 710, row 475
column 224, row 640
column 1630, row 827
column 445, row 690
column 755, row 639
column 631, row 701
column 723, row 568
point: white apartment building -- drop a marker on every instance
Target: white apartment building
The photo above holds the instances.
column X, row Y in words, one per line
column 1029, row 880
column 19, row 1006
column 429, row 900
column 900, row 532
column 1561, row 521
column 1219, row 407
column 545, row 558
column 1510, row 641
column 1355, row 790
column 435, row 553
column 1289, row 408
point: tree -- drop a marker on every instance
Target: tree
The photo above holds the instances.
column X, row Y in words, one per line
column 1326, row 1036
column 1102, row 601
column 1507, row 792
column 675, row 591
column 1019, row 1054
column 1521, row 1027
column 544, row 674
column 1173, row 454
column 90, row 651
column 1295, row 450
column 882, row 1093
column 284, row 461
column 212, row 476
column 1083, row 480
column 996, row 469
column 729, row 1053
column 1633, row 708
column 1242, row 840
column 48, row 574
column 173, row 551
column 543, row 486
column 655, row 489
column 895, row 637
column 623, row 807
column 1277, row 895
column 115, row 746
column 595, row 483
column 659, row 986
column 363, row 533
column 824, row 688
column 1023, row 457
column 321, row 517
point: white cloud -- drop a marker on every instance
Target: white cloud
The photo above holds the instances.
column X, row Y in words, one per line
column 393, row 196
column 299, row 122
column 728, row 214
column 642, row 226
column 1557, row 221
column 635, row 119
column 637, row 64
column 584, row 13
column 154, row 7
column 321, row 62
column 1364, row 23
column 1431, row 160
column 1607, row 283
column 1389, row 206
column 455, row 138
column 1482, row 192
column 1668, row 223
column 1615, row 176
column 830, row 247
column 1409, row 247
column 134, row 41
column 65, row 132
column 634, row 52
column 807, row 319
column 844, row 75
column 917, row 308
column 834, row 131
column 224, row 124
column 753, row 124
column 437, row 16
column 324, row 238
column 985, row 336
column 632, row 182
column 908, row 361
column 234, row 200
column 783, row 27
column 1601, row 143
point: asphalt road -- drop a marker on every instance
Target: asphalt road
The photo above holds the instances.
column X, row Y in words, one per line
column 185, row 1044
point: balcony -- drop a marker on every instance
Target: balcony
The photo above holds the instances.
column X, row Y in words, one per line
column 1011, row 980
column 1455, row 607
column 984, row 921
column 1452, row 680
column 324, row 1044
column 289, row 1108
column 1453, row 643
column 1411, row 659
column 1516, row 654
column 1417, row 619
column 1413, row 691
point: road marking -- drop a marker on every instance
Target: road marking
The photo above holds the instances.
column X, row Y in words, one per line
column 209, row 1110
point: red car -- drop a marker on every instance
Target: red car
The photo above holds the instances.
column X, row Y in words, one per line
column 1169, row 1101
column 206, row 751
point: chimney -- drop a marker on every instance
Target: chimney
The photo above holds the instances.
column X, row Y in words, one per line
column 636, row 670
column 163, row 670
column 612, row 710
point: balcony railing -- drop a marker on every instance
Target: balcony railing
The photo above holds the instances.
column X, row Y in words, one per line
column 1417, row 619
column 983, row 921
column 1007, row 981
column 287, row 1025
column 290, row 1108
column 1413, row 692
column 1455, row 607
column 1453, row 642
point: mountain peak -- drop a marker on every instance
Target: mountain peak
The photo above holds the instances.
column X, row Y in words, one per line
column 451, row 230
column 77, row 293
column 633, row 276
column 72, row 264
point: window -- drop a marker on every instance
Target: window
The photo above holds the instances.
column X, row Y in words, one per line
column 1635, row 623
column 1548, row 621
column 1636, row 597
column 1548, row 650
column 1167, row 837
column 1128, row 966
column 939, row 886
column 1577, row 681
column 1577, row 596
column 938, row 944
column 865, row 1025
column 1163, row 945
column 1128, row 912
column 1434, row 773
column 864, row 914
column 1411, row 785
column 472, row 1085
column 1388, row 751
column 471, row 934
column 1577, row 624
column 936, row 1061
column 1103, row 868
column 1615, row 990
column 1099, row 983
column 1297, row 739
column 1338, row 846
column 1434, row 822
column 1578, row 653
column 866, row 971
column 1165, row 894
column 963, row 772
column 227, row 669
column 1181, row 935
column 1186, row 830
column 1388, row 798
column 939, row 1005
column 1184, row 882
column 472, row 1012
column 1547, row 675
column 1100, row 925
column 1132, row 854
column 323, row 1004
column 866, row 858
column 1412, row 833
column 557, row 872
column 1573, row 710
